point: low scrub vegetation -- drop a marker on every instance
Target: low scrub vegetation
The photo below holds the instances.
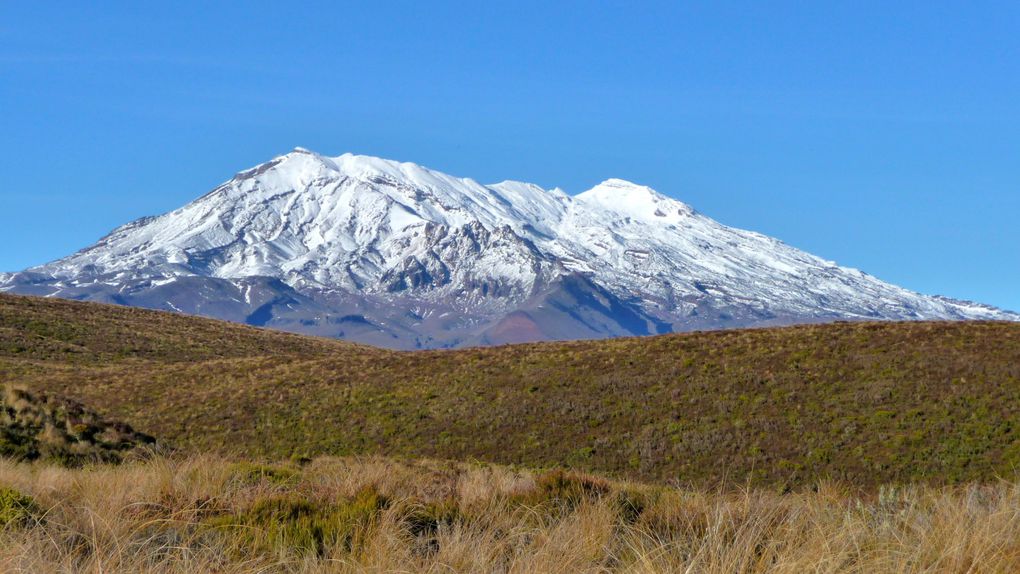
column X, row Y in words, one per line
column 204, row 514
column 860, row 403
column 34, row 426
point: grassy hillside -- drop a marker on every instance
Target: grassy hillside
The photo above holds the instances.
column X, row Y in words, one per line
column 204, row 514
column 867, row 403
column 67, row 332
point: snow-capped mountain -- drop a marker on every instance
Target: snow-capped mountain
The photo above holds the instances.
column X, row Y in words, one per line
column 399, row 255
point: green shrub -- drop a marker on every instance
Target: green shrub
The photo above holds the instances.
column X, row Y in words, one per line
column 251, row 473
column 425, row 519
column 631, row 504
column 16, row 509
column 564, row 490
column 291, row 524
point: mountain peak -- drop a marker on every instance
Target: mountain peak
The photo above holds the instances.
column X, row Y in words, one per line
column 397, row 254
column 301, row 166
column 634, row 200
column 621, row 188
column 622, row 184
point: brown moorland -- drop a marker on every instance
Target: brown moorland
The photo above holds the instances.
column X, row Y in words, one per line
column 861, row 403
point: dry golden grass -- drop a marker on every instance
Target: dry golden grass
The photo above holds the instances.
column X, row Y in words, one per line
column 199, row 514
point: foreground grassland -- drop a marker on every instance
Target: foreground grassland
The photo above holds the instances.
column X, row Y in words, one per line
column 863, row 404
column 380, row 515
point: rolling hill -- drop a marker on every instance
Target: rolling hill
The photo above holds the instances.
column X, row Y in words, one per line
column 866, row 403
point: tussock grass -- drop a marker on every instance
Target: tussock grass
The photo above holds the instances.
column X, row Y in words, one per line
column 204, row 514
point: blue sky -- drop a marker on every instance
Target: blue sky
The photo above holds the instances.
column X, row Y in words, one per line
column 885, row 136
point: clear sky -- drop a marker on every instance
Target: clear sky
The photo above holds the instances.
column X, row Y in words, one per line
column 884, row 135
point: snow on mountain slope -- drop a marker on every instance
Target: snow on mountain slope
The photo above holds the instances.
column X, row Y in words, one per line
column 328, row 222
column 399, row 255
column 641, row 242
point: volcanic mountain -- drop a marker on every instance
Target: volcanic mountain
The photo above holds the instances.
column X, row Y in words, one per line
column 398, row 255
